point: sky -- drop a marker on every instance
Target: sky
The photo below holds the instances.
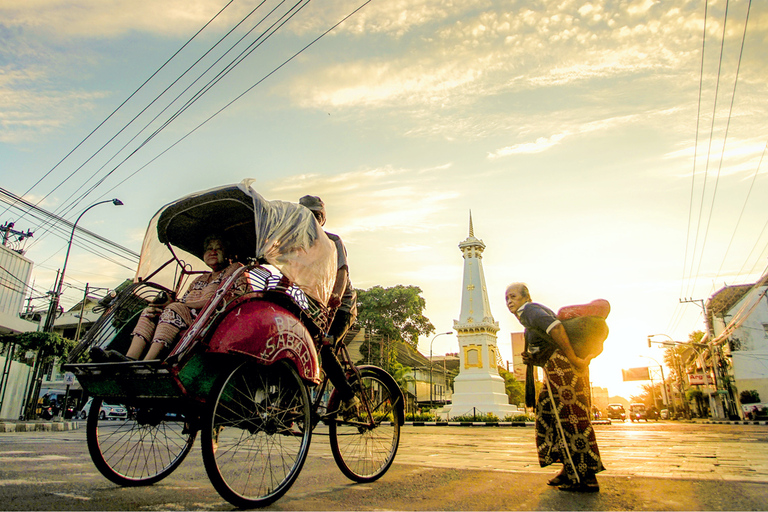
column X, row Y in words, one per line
column 606, row 149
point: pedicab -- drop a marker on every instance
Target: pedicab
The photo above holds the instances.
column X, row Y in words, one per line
column 245, row 374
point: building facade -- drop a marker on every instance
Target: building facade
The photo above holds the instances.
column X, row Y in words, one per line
column 737, row 320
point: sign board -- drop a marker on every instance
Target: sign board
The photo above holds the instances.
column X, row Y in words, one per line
column 699, row 379
column 69, row 379
column 636, row 374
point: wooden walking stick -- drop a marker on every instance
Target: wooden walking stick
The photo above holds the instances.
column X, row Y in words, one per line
column 560, row 428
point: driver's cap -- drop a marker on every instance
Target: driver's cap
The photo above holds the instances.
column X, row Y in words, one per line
column 314, row 203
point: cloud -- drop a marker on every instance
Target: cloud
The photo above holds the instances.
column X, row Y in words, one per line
column 541, row 144
column 578, row 127
column 30, row 106
column 97, row 18
column 372, row 200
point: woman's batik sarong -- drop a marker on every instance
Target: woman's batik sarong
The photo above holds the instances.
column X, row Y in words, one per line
column 570, row 389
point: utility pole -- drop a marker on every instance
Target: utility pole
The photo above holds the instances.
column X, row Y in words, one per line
column 8, row 231
column 82, row 312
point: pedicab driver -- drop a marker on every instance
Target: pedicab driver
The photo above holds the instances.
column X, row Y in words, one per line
column 344, row 298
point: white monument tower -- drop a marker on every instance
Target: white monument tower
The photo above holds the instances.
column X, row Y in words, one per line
column 478, row 389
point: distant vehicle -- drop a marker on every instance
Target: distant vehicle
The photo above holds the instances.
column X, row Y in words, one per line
column 637, row 412
column 108, row 411
column 51, row 404
column 616, row 412
column 664, row 414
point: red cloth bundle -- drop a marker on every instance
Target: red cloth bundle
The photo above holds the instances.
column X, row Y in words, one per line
column 586, row 327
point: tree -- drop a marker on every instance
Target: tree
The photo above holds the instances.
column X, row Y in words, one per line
column 749, row 396
column 648, row 394
column 48, row 345
column 394, row 313
column 54, row 344
column 403, row 375
column 515, row 390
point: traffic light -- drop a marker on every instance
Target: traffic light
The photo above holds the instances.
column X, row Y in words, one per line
column 649, row 342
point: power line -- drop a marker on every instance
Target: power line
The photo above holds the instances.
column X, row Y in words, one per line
column 694, row 276
column 142, row 111
column 240, row 95
column 113, row 113
column 106, row 244
column 235, row 62
column 695, row 148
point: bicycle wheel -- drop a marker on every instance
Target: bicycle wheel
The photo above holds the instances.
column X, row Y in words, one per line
column 364, row 449
column 142, row 449
column 256, row 434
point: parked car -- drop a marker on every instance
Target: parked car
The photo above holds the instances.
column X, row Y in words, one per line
column 637, row 412
column 616, row 412
column 664, row 414
column 108, row 411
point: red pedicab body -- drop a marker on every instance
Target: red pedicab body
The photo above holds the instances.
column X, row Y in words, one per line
column 269, row 333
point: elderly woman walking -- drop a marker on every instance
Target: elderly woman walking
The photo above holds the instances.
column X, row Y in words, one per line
column 564, row 432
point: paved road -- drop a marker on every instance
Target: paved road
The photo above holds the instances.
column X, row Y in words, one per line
column 655, row 466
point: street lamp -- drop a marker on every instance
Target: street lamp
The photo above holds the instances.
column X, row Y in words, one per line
column 57, row 294
column 430, row 363
column 664, row 397
column 35, row 377
column 676, row 358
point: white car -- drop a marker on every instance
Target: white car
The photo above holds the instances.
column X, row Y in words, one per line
column 108, row 411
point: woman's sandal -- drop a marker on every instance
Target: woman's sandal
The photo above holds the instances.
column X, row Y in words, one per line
column 558, row 480
column 581, row 487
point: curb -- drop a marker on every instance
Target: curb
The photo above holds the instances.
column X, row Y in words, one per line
column 733, row 422
column 22, row 426
column 482, row 423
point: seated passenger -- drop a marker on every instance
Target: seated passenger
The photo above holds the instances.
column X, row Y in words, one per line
column 159, row 326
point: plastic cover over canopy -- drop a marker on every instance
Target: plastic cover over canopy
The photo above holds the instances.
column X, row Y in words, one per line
column 284, row 234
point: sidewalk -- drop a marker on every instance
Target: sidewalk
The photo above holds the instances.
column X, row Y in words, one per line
column 7, row 426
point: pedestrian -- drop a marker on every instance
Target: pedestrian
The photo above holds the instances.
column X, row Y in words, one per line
column 564, row 432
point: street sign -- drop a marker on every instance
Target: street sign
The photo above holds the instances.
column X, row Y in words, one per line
column 699, row 379
column 636, row 374
column 69, row 379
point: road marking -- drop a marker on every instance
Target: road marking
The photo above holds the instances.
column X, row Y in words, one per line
column 30, row 482
column 73, row 496
column 38, row 457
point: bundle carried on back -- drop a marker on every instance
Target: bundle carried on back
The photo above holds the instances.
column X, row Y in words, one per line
column 586, row 327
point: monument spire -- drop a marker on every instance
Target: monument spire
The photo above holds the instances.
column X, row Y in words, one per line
column 475, row 308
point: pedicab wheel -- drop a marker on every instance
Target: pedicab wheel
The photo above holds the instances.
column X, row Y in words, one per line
column 364, row 448
column 141, row 450
column 256, row 434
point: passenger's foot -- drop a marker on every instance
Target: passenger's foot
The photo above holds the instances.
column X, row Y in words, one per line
column 99, row 355
column 350, row 409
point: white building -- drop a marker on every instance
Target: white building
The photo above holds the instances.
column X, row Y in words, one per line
column 15, row 270
column 737, row 317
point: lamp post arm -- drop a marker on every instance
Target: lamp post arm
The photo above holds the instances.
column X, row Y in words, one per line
column 431, row 365
column 59, row 286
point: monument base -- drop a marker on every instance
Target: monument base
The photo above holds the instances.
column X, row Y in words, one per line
column 478, row 394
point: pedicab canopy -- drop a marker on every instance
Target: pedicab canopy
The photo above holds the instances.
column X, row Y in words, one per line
column 283, row 234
